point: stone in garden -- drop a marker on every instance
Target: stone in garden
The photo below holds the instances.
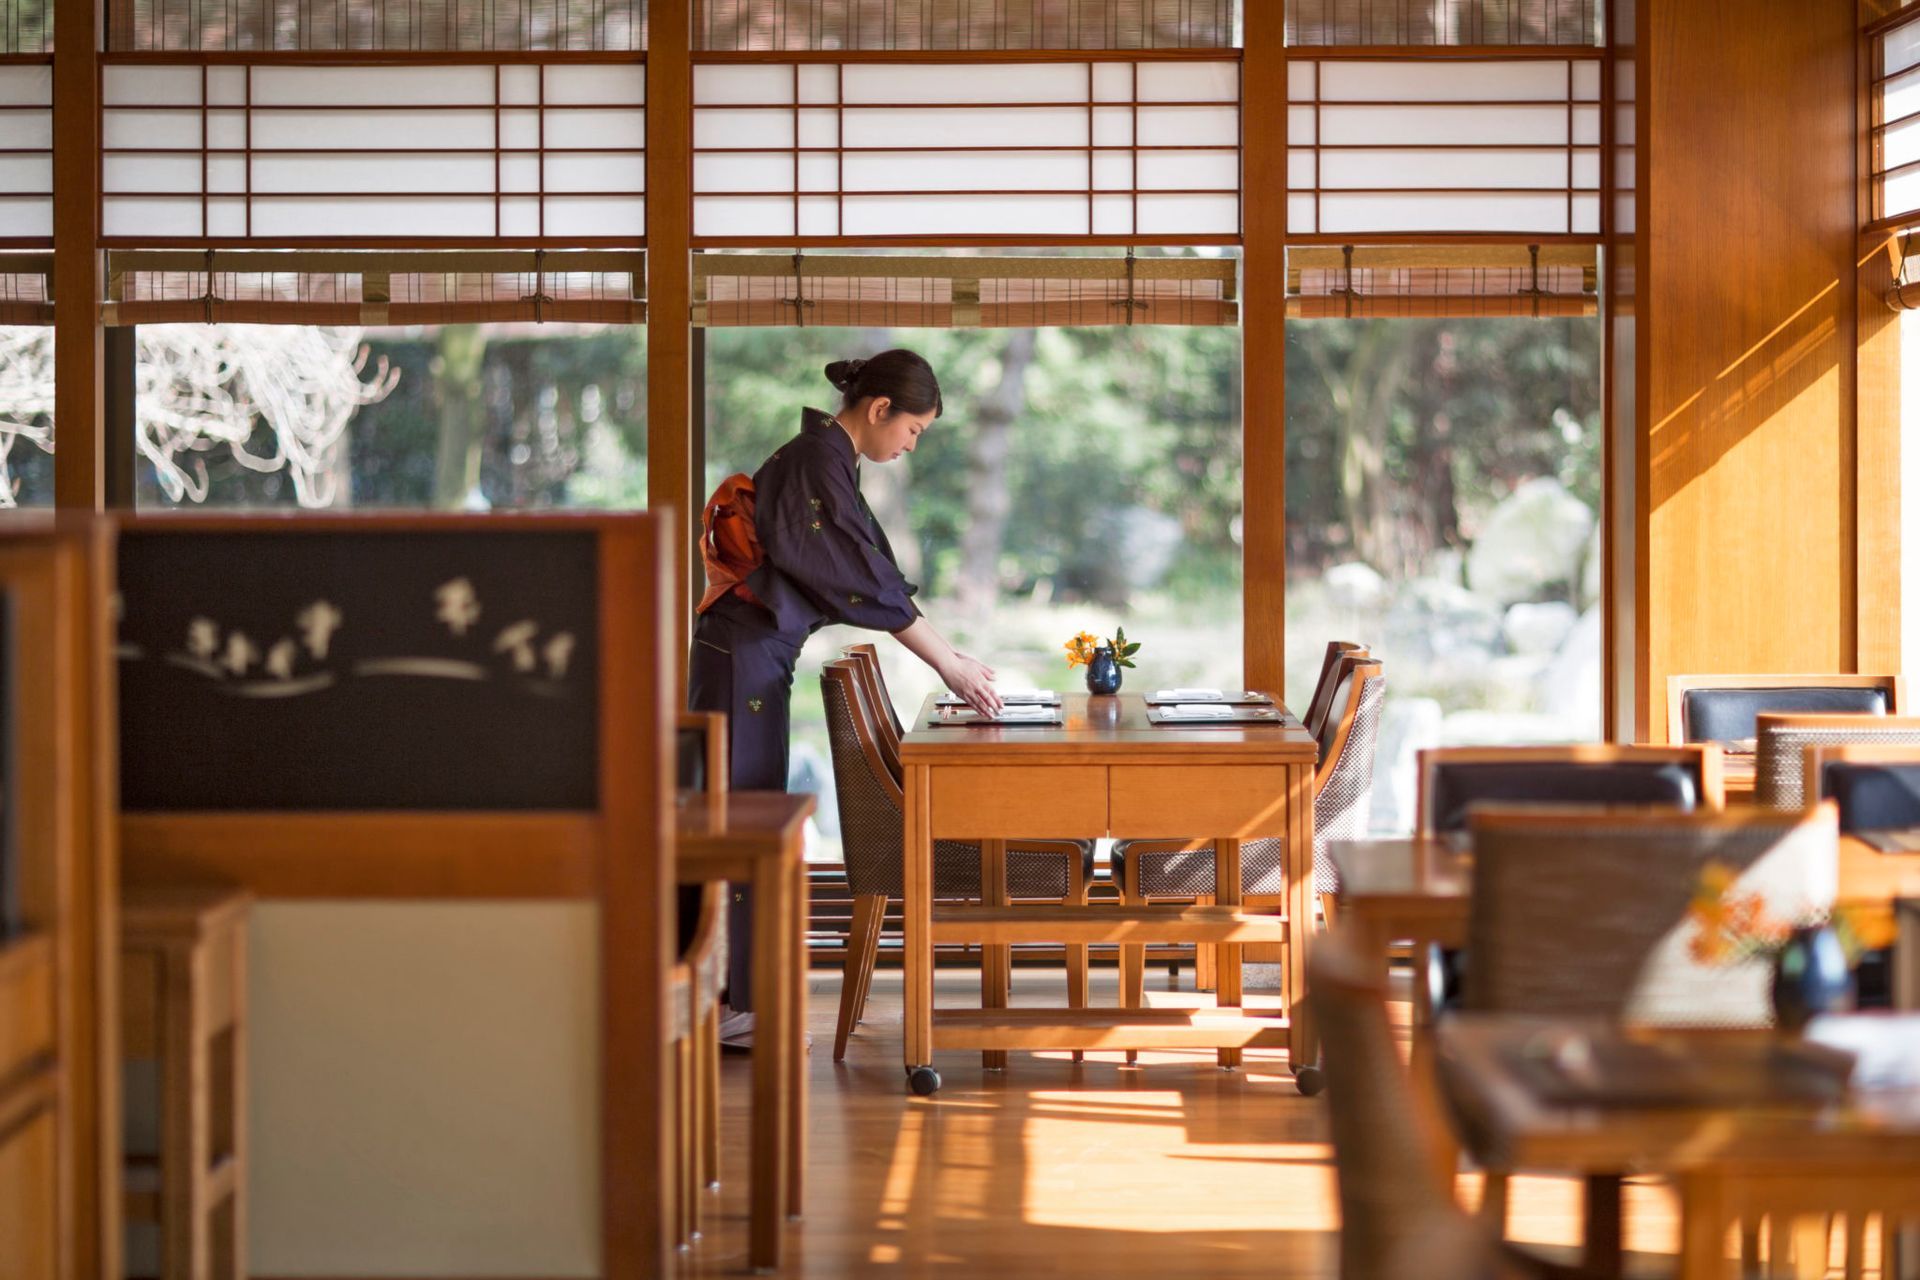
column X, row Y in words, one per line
column 1538, row 628
column 1354, row 585
column 1530, row 545
column 1406, row 726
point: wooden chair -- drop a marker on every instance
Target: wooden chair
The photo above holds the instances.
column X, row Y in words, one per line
column 1584, row 912
column 888, row 730
column 698, row 974
column 872, row 830
column 1452, row 779
column 1710, row 708
column 1781, row 742
column 1342, row 799
column 1331, row 669
column 1397, row 1217
column 1876, row 786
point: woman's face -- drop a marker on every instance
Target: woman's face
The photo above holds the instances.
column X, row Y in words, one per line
column 881, row 434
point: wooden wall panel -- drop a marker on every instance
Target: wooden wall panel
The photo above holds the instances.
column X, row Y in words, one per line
column 1745, row 340
column 1263, row 348
column 78, row 469
column 670, row 426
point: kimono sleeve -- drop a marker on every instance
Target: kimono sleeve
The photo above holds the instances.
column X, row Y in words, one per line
column 817, row 532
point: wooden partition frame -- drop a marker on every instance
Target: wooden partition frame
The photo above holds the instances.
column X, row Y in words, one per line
column 1703, row 758
column 1678, row 687
column 59, row 1000
column 620, row 855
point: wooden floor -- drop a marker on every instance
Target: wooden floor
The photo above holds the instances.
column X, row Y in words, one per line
column 1174, row 1168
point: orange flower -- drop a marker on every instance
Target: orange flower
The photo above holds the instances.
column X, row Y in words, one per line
column 1080, row 649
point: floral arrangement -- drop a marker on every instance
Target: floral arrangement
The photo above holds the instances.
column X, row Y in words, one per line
column 1081, row 648
column 1731, row 927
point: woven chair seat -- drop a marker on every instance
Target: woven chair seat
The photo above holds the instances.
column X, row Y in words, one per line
column 1779, row 776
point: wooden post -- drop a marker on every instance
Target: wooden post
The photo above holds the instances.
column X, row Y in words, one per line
column 670, row 422
column 1263, row 338
column 79, row 478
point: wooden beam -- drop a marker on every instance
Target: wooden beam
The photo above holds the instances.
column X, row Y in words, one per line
column 1263, row 339
column 79, row 476
column 670, row 422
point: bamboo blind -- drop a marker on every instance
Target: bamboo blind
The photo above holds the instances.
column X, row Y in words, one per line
column 1443, row 22
column 26, row 293
column 168, row 286
column 740, row 290
column 1442, row 280
column 26, row 26
column 804, row 25
column 412, row 26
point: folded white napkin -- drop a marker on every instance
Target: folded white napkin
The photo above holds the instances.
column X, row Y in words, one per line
column 1020, row 712
column 1191, row 711
column 1188, row 695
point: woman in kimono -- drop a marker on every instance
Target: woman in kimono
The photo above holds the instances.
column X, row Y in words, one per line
column 825, row 560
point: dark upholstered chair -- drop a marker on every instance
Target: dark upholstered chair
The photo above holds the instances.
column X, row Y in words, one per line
column 1454, row 779
column 1723, row 708
column 1876, row 787
column 1781, row 742
column 872, row 833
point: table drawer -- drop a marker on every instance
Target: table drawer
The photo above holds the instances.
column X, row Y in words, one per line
column 1182, row 800
column 1053, row 802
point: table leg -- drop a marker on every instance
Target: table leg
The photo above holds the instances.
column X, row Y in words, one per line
column 917, row 919
column 772, row 1059
column 1302, row 1048
column 996, row 959
column 1703, row 1228
column 1226, row 892
column 1420, row 1062
column 796, row 915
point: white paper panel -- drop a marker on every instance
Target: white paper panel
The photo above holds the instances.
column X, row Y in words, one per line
column 1443, row 81
column 26, row 175
column 764, row 171
column 973, row 126
column 1190, row 170
column 520, row 130
column 1901, row 145
column 819, row 217
column 227, row 86
column 520, row 85
column 149, row 129
column 1586, row 215
column 373, row 174
column 1302, row 170
column 1302, row 126
column 966, row 215
column 961, row 83
column 276, row 85
column 1586, row 126
column 1113, row 215
column 520, row 173
column 622, row 171
column 1113, row 126
column 1301, row 216
column 1302, row 78
column 366, row 129
column 227, row 130
column 967, row 171
column 519, row 217
column 227, row 174
column 596, row 216
column 227, row 217
column 446, row 215
column 1422, row 123
column 735, row 85
column 714, row 127
column 1902, row 96
column 150, row 86
column 136, row 217
column 1586, row 81
column 1113, row 82
column 819, row 128
column 1901, row 48
column 1439, row 170
column 1442, row 211
column 1902, row 194
column 26, row 130
column 597, row 85
column 584, row 129
column 742, row 216
column 23, row 85
column 25, row 217
column 1189, row 126
column 1113, row 170
column 819, row 83
column 1189, row 82
column 1189, row 215
column 153, row 173
column 819, row 173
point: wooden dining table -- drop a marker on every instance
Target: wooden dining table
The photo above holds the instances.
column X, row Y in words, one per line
column 1746, row 1124
column 757, row 838
column 1105, row 770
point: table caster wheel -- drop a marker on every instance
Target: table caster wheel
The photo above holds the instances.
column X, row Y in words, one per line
column 924, row 1081
column 1309, row 1081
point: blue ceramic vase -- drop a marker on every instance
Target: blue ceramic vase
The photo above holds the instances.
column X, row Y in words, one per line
column 1103, row 673
column 1810, row 977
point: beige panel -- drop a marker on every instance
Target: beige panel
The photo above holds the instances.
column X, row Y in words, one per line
column 425, row 1096
column 1239, row 801
column 1067, row 803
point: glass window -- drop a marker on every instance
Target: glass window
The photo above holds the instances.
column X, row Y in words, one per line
column 26, row 416
column 450, row 417
column 1081, row 479
column 1443, row 499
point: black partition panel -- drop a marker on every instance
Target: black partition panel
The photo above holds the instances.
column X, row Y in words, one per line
column 353, row 669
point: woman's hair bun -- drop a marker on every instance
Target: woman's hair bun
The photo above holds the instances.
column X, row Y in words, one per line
column 844, row 374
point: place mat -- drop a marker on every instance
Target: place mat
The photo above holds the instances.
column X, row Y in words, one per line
column 1186, row 715
column 1230, row 697
column 1011, row 697
column 1037, row 717
column 1610, row 1071
column 1897, row 840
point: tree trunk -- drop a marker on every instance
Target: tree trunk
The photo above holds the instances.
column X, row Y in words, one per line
column 1379, row 368
column 456, row 376
column 988, row 501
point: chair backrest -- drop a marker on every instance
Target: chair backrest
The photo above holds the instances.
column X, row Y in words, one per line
column 1396, row 1218
column 886, row 725
column 700, row 752
column 1707, row 708
column 1329, row 678
column 870, row 654
column 872, row 804
column 1781, row 742
column 1618, row 912
column 1876, row 787
column 1453, row 779
column 1343, row 785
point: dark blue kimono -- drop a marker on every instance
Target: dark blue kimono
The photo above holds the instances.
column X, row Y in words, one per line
column 827, row 561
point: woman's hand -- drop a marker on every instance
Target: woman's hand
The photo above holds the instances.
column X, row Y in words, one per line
column 972, row 680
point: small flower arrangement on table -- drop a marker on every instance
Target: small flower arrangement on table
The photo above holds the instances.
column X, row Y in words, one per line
column 1081, row 648
column 1732, row 927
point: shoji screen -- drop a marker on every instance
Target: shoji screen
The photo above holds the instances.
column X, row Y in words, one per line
column 1053, row 150
column 1511, row 145
column 1370, row 281
column 409, row 154
column 1896, row 129
column 26, row 151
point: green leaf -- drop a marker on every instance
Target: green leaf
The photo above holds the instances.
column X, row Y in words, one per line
column 1132, row 648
